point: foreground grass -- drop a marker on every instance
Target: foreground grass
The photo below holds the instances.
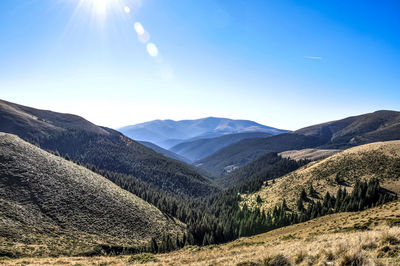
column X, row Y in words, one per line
column 371, row 237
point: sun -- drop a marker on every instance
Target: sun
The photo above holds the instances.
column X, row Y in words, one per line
column 100, row 7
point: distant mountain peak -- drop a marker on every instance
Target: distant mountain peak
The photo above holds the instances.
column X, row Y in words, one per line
column 168, row 132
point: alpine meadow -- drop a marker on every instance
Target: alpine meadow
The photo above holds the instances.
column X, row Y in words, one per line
column 215, row 132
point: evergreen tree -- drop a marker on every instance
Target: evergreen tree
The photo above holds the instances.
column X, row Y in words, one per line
column 303, row 195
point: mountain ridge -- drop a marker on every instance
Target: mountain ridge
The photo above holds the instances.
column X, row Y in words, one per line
column 200, row 148
column 102, row 147
column 165, row 152
column 339, row 134
column 166, row 133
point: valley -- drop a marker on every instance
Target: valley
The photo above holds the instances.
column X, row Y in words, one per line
column 86, row 194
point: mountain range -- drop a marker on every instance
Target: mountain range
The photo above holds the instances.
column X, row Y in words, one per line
column 195, row 150
column 339, row 134
column 70, row 187
column 103, row 148
column 167, row 133
column 165, row 152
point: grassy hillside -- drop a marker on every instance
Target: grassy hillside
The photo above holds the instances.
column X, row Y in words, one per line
column 340, row 134
column 309, row 154
column 379, row 160
column 370, row 237
column 200, row 148
column 102, row 147
column 336, row 238
column 49, row 205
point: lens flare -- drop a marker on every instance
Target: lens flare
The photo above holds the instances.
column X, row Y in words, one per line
column 144, row 38
column 152, row 49
column 139, row 28
column 103, row 10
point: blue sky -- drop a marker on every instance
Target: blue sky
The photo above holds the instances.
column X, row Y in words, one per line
column 282, row 63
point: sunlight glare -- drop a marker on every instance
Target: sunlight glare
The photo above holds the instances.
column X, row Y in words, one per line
column 100, row 7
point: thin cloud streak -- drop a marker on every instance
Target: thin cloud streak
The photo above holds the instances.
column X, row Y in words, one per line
column 313, row 57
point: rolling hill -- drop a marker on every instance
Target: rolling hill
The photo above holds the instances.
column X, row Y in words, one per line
column 49, row 205
column 101, row 147
column 379, row 160
column 200, row 148
column 167, row 133
column 340, row 134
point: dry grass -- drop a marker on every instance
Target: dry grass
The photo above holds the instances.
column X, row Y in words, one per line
column 50, row 207
column 376, row 160
column 310, row 154
column 331, row 239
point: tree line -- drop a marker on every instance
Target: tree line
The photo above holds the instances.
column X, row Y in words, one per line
column 220, row 218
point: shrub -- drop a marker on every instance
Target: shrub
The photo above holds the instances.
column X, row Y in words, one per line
column 389, row 239
column 393, row 222
column 369, row 245
column 355, row 259
column 299, row 258
column 329, row 255
column 388, row 251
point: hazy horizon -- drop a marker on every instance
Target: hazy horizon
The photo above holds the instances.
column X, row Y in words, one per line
column 283, row 64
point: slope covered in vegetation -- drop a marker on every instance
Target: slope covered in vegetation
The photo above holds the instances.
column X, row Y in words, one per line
column 370, row 237
column 340, row 134
column 102, row 147
column 49, row 205
column 200, row 148
column 267, row 167
column 165, row 152
column 380, row 160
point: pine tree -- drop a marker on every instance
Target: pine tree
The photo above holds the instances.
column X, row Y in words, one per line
column 311, row 191
column 259, row 200
column 300, row 205
column 153, row 245
column 303, row 195
column 284, row 205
